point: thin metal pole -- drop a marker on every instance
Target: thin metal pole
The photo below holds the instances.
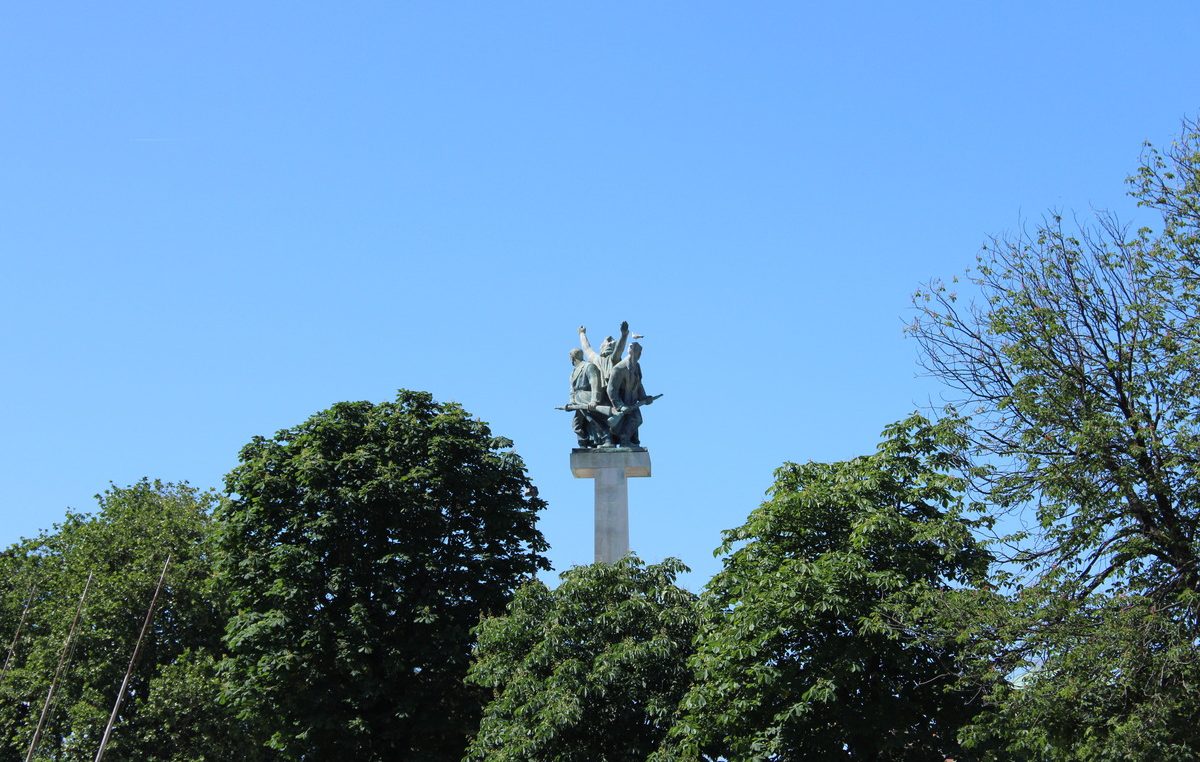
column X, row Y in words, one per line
column 67, row 650
column 12, row 649
column 137, row 649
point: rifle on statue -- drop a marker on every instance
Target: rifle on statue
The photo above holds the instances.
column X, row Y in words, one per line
column 610, row 412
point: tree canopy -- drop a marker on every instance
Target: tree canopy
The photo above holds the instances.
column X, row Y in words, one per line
column 591, row 670
column 359, row 550
column 811, row 646
column 1078, row 359
column 124, row 545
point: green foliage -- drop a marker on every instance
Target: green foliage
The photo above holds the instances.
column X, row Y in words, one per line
column 1081, row 360
column 590, row 671
column 360, row 548
column 124, row 544
column 1081, row 357
column 186, row 719
column 1169, row 183
column 1112, row 678
column 818, row 640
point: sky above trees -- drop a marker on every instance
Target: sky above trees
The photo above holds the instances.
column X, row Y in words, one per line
column 216, row 221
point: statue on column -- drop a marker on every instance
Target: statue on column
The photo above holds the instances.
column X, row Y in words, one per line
column 607, row 395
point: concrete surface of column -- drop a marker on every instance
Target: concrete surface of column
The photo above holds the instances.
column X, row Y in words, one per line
column 611, row 469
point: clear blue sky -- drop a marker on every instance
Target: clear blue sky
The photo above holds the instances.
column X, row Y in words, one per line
column 218, row 218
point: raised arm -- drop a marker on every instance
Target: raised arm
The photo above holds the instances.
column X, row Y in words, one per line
column 588, row 352
column 621, row 342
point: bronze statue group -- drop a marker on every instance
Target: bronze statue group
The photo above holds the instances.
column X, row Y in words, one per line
column 606, row 392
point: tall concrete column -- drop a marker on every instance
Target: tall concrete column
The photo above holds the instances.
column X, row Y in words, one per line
column 611, row 469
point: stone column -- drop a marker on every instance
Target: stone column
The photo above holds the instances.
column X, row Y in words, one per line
column 611, row 468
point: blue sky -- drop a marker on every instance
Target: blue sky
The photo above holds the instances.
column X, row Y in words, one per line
column 216, row 220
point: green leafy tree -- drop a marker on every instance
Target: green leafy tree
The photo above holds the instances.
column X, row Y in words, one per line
column 124, row 545
column 1109, row 678
column 822, row 638
column 185, row 719
column 1080, row 357
column 360, row 548
column 592, row 670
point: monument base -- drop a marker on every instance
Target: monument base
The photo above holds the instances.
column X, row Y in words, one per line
column 611, row 467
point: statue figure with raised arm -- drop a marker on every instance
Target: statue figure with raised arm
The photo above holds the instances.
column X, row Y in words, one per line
column 627, row 396
column 610, row 353
column 591, row 426
column 606, row 395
